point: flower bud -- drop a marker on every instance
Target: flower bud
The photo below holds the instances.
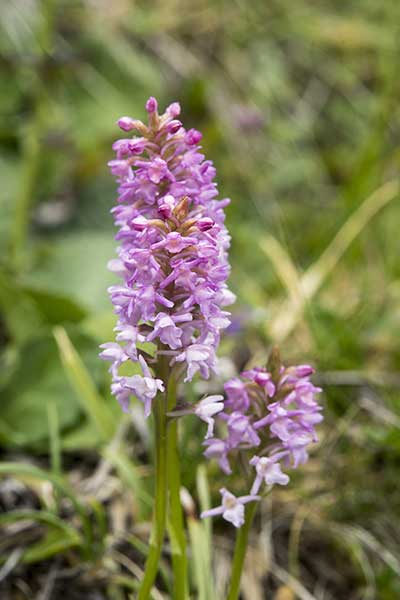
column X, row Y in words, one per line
column 151, row 105
column 205, row 223
column 126, row 123
column 173, row 110
column 139, row 223
column 193, row 137
column 174, row 126
column 304, row 371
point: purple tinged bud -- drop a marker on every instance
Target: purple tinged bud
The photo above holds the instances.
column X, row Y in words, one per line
column 173, row 110
column 205, row 223
column 174, row 126
column 193, row 137
column 126, row 123
column 151, row 105
column 139, row 223
column 304, row 371
column 166, row 206
column 165, row 211
column 264, row 380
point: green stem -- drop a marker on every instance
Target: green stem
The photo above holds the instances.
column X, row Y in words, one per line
column 176, row 527
column 160, row 506
column 242, row 538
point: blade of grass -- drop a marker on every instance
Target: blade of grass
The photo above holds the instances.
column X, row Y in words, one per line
column 55, row 443
column 200, row 534
column 284, row 267
column 92, row 403
column 41, row 516
column 27, row 471
column 203, row 490
column 199, row 543
column 136, row 571
column 143, row 548
column 53, row 544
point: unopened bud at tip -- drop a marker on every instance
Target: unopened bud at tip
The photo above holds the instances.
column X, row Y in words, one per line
column 173, row 110
column 151, row 105
column 126, row 123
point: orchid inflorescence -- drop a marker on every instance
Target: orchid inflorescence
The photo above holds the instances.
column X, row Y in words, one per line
column 269, row 417
column 172, row 256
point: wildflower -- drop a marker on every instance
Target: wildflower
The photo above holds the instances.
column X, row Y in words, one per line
column 269, row 470
column 232, row 508
column 145, row 388
column 207, row 408
column 218, row 449
column 172, row 258
column 269, row 416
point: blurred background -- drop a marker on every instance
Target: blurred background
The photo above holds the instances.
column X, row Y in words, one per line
column 298, row 103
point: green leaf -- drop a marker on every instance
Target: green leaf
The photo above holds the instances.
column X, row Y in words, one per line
column 38, row 380
column 21, row 317
column 55, row 308
column 76, row 268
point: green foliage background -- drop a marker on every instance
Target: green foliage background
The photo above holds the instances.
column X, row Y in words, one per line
column 299, row 106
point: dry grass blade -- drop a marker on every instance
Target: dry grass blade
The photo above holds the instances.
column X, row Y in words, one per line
column 10, row 563
column 370, row 542
column 284, row 267
column 47, row 590
column 135, row 570
column 291, row 582
column 374, row 405
column 313, row 279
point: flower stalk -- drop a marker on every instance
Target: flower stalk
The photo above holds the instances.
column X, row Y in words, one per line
column 160, row 503
column 176, row 526
column 168, row 514
column 242, row 538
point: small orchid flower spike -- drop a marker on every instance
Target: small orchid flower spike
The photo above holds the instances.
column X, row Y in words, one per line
column 268, row 419
column 172, row 255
